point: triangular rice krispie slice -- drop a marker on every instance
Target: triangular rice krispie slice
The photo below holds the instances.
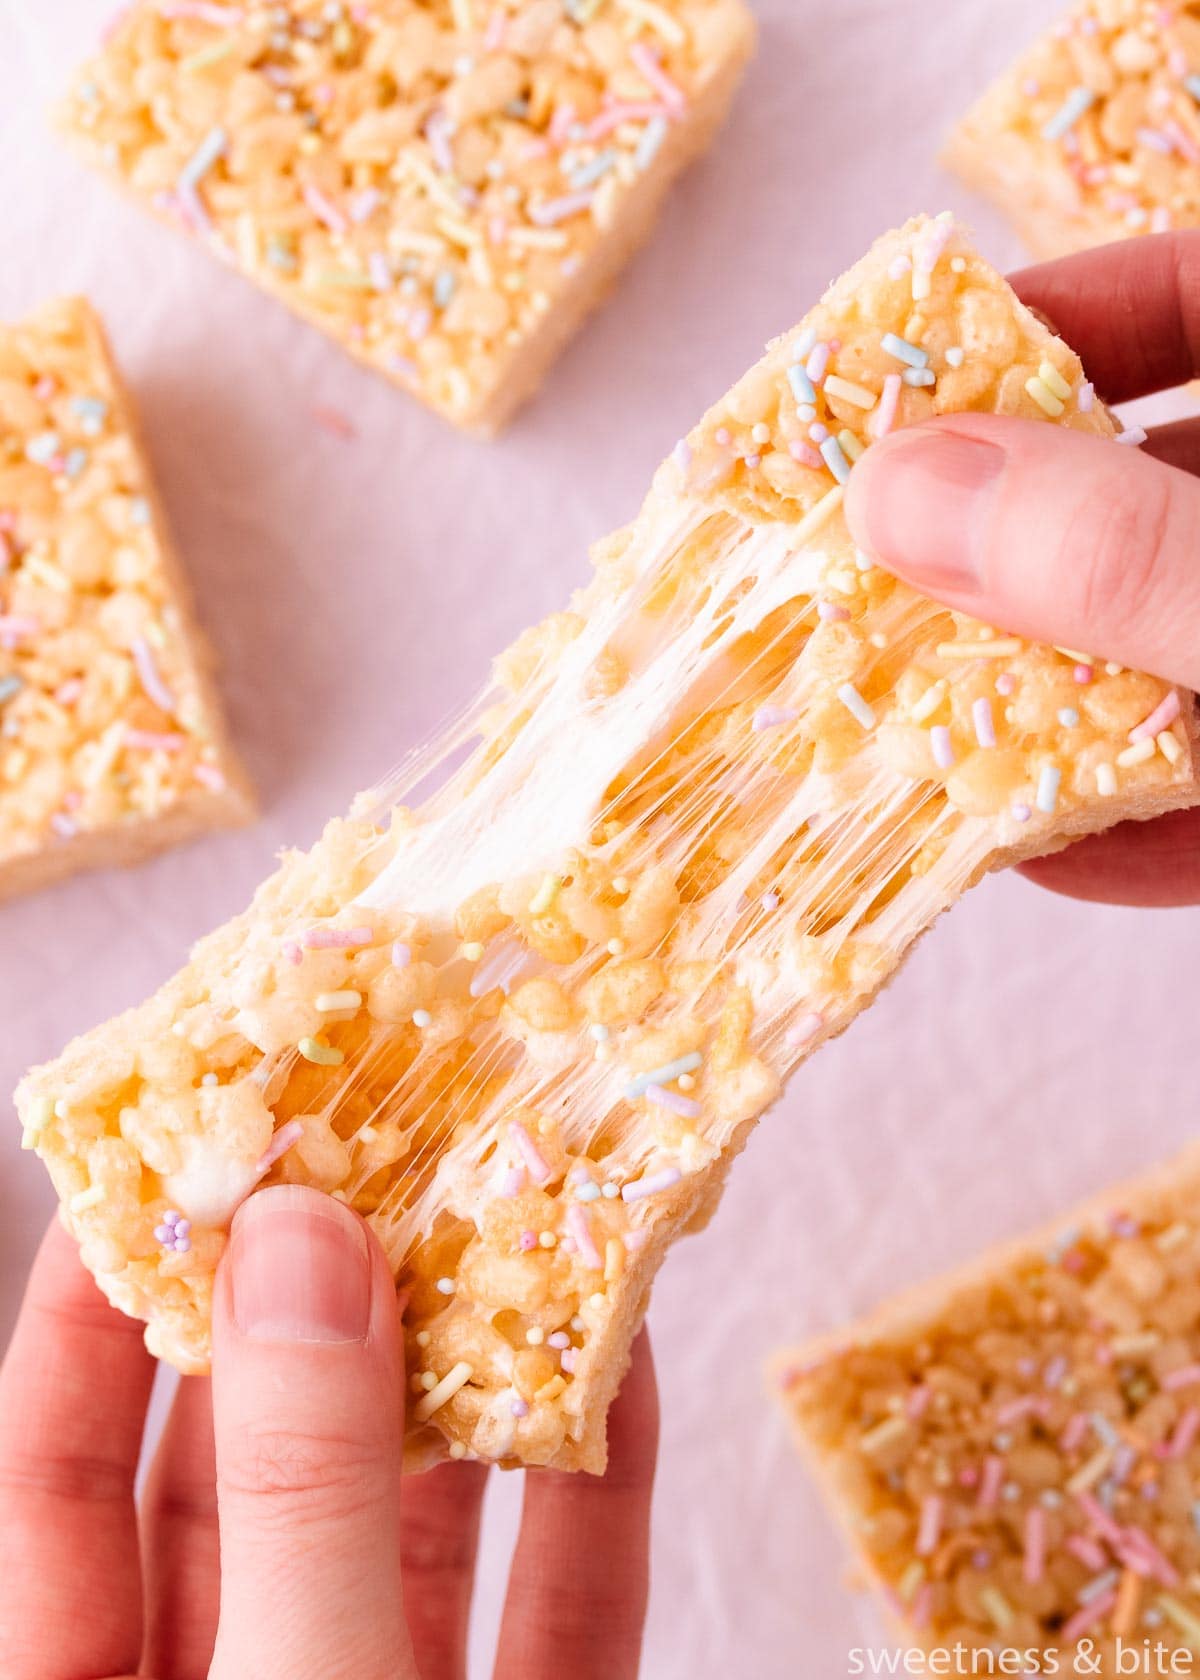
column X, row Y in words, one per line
column 525, row 1027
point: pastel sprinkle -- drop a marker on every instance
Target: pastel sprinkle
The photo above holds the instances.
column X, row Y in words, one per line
column 333, row 939
column 805, row 1029
column 651, row 1186
column 89, row 1198
column 849, row 391
column 686, row 1106
column 287, row 1137
column 150, row 677
column 903, row 351
column 942, row 746
column 401, row 954
column 580, row 1228
column 930, row 1525
column 1077, row 102
column 1044, row 397
column 422, row 1018
column 772, row 717
column 802, row 386
column 8, row 687
column 210, row 150
column 456, row 1377
column 323, row 1055
column 663, row 1075
column 884, row 417
column 858, row 708
column 1163, row 715
column 985, row 727
column 1134, row 436
column 539, row 1167
column 328, row 1003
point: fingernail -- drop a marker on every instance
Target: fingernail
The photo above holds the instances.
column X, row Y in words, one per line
column 301, row 1269
column 927, row 500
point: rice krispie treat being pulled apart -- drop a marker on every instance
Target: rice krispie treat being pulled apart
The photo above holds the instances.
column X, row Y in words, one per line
column 1094, row 134
column 111, row 739
column 525, row 1026
column 445, row 188
column 1013, row 1450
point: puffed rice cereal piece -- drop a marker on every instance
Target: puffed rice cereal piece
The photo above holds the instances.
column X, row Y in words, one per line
column 112, row 743
column 446, row 188
column 1094, row 133
column 1012, row 1451
column 524, row 1027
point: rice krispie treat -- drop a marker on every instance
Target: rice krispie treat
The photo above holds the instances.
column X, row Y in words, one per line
column 1094, row 134
column 446, row 187
column 525, row 1026
column 1013, row 1451
column 111, row 739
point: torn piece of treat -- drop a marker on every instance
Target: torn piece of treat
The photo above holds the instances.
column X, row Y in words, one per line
column 1013, row 1450
column 1094, row 134
column 445, row 188
column 525, row 1026
column 112, row 744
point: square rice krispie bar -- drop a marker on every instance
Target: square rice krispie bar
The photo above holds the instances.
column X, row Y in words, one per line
column 112, row 744
column 692, row 828
column 1094, row 134
column 1013, row 1450
column 446, row 187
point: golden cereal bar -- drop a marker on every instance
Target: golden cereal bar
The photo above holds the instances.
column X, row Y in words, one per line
column 1013, row 1451
column 445, row 188
column 111, row 739
column 1094, row 134
column 524, row 1026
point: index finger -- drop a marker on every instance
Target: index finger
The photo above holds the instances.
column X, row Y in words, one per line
column 1131, row 310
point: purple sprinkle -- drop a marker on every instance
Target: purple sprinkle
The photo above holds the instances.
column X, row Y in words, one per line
column 520, row 1408
column 770, row 717
column 559, row 1339
column 401, row 954
column 672, row 1100
column 943, row 750
column 1022, row 813
column 829, row 613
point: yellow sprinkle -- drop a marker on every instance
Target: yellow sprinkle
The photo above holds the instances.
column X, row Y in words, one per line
column 1169, row 747
column 849, row 391
column 1172, row 1236
column 367, row 1134
column 535, row 1335
column 1054, row 381
column 464, row 20
column 40, row 1115
column 1131, row 1347
column 437, row 1397
column 544, row 897
column 327, row 1002
column 1000, row 647
column 89, row 1198
column 458, row 1449
column 997, row 1607
column 1183, row 1618
column 1136, row 755
column 552, row 1389
column 658, row 18
column 883, row 1433
column 597, row 1302
column 472, row 950
column 910, row 1581
column 1090, row 1473
column 547, row 1239
column 1106, row 780
column 1074, row 655
column 614, row 1259
column 852, row 447
column 929, row 702
column 207, row 55
column 324, row 1055
column 615, row 947
column 1044, row 397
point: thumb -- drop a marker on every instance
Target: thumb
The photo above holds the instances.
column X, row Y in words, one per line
column 1053, row 534
column 308, row 1411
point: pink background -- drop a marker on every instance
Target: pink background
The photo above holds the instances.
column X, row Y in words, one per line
column 356, row 589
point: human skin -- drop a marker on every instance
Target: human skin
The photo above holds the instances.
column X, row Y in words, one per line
column 1063, row 538
column 274, row 1536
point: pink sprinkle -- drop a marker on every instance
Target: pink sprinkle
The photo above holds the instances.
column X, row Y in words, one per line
column 333, row 420
column 1139, row 1549
column 943, row 749
column 17, row 625
column 1006, row 684
column 323, row 208
column 771, row 717
column 1094, row 1611
column 496, row 32
column 922, row 1607
column 624, row 112
column 1035, row 1544
column 292, row 952
column 817, row 362
column 364, row 205
column 648, row 65
column 513, row 1182
column 149, row 676
column 634, row 1240
column 561, row 124
column 210, row 777
column 150, row 740
column 1083, row 674
column 932, row 245
column 804, row 453
column 930, row 1527
column 567, row 1360
column 46, row 387
column 674, row 1101
column 884, row 417
column 1089, row 1552
column 1184, row 1435
column 1181, row 1378
column 1099, row 1518
column 537, row 1163
column 527, row 1240
column 581, row 1230
column 556, row 210
column 918, row 1402
column 805, row 1030
column 63, row 826
column 985, row 728
column 1162, row 717
column 336, row 939
column 1181, row 140
column 67, row 693
column 1026, row 1405
column 830, row 613
column 285, row 1138
column 991, row 1481
column 1073, row 1435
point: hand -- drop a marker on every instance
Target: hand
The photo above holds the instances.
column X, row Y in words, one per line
column 1064, row 537
column 274, row 1540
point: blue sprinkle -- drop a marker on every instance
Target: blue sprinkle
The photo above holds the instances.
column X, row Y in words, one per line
column 76, row 461
column 651, row 142
column 1069, row 113
column 1196, row 1506
column 804, row 344
column 43, row 448
column 92, row 413
column 663, row 1075
column 444, row 288
column 835, row 459
column 1047, row 792
column 904, row 351
column 802, row 385
column 918, row 376
column 589, row 1192
column 205, row 156
column 1192, row 84
column 589, row 173
column 8, row 687
column 139, row 511
column 280, row 257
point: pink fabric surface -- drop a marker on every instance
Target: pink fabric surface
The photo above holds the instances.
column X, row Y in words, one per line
column 356, row 588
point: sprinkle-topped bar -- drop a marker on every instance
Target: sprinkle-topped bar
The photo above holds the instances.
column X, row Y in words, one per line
column 524, row 1026
column 111, row 739
column 446, row 188
column 1013, row 1451
column 1094, row 134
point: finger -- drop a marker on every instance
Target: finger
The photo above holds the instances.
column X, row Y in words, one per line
column 439, row 1536
column 1152, row 864
column 308, row 1411
column 73, row 1394
column 1131, row 310
column 1066, row 538
column 181, row 1555
column 581, row 1571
